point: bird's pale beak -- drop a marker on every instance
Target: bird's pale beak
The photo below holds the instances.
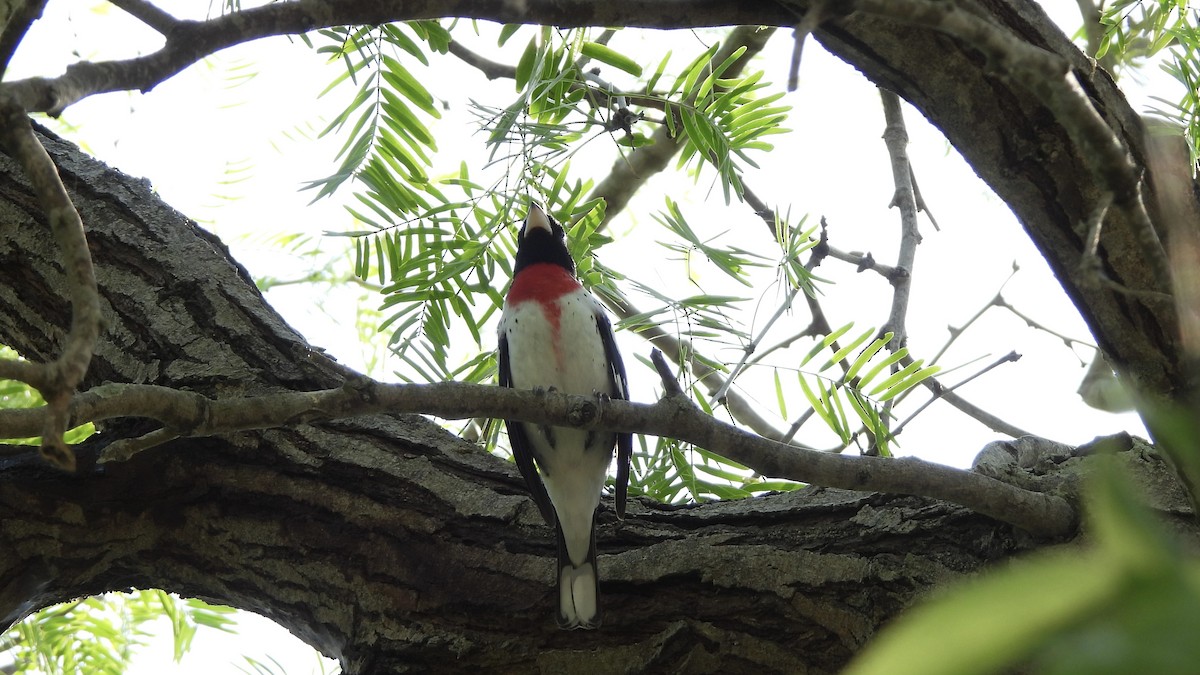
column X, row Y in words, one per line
column 537, row 218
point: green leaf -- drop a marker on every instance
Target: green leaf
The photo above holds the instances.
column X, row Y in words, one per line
column 896, row 378
column 866, row 356
column 525, row 65
column 605, row 54
column 828, row 340
column 818, row 404
column 895, row 357
column 984, row 624
column 507, row 31
column 844, row 351
column 707, row 85
column 779, row 397
column 658, row 72
column 697, row 67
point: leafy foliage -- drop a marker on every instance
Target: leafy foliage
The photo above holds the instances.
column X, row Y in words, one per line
column 1140, row 30
column 860, row 388
column 720, row 118
column 1129, row 604
column 101, row 634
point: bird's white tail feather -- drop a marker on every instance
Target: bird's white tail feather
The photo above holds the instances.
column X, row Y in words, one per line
column 577, row 604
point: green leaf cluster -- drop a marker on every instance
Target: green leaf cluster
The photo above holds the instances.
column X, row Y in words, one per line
column 673, row 471
column 735, row 262
column 102, row 633
column 1136, row 31
column 722, row 119
column 869, row 379
column 388, row 146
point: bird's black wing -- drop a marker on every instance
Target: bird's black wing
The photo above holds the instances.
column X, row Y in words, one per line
column 519, row 440
column 619, row 385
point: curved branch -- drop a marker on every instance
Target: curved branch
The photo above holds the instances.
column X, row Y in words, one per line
column 56, row 380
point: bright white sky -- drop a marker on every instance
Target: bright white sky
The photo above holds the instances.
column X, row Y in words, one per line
column 194, row 134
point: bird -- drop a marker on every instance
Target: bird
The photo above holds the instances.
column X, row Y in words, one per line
column 555, row 336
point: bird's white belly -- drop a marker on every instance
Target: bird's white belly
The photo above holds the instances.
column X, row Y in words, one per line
column 569, row 358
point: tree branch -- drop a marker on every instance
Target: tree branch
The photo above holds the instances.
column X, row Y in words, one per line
column 18, row 16
column 56, row 380
column 189, row 414
column 190, row 41
column 895, row 136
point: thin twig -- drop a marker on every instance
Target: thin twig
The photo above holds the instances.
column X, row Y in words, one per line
column 492, row 70
column 862, row 262
column 922, row 207
column 971, row 410
column 1010, row 357
column 956, row 332
column 895, row 137
column 682, row 353
column 808, row 23
column 1049, row 77
column 669, row 382
column 748, row 350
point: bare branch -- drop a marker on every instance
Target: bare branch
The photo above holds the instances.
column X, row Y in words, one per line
column 748, row 350
column 58, row 379
column 190, row 41
column 18, row 16
column 682, row 353
column 672, row 417
column 980, row 415
column 1007, row 358
column 895, row 136
column 862, row 261
column 808, row 23
column 922, row 207
column 670, row 384
column 492, row 70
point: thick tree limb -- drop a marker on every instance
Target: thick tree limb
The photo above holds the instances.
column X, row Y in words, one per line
column 150, row 14
column 16, row 16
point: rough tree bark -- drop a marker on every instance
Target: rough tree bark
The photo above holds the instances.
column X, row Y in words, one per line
column 392, row 545
column 1015, row 144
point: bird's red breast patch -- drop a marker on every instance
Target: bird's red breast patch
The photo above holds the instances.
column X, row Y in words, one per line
column 543, row 282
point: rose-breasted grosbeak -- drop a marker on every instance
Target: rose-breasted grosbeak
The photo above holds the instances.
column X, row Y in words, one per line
column 554, row 335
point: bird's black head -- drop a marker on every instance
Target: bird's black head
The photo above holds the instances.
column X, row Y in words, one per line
column 542, row 240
